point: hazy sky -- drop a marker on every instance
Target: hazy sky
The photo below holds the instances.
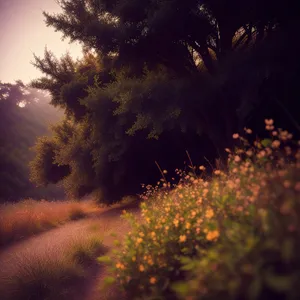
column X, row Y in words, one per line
column 22, row 33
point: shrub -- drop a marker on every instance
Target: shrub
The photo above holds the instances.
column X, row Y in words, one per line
column 232, row 236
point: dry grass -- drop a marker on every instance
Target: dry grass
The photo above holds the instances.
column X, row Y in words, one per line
column 49, row 274
column 28, row 217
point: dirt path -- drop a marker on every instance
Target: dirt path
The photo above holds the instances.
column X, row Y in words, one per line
column 53, row 242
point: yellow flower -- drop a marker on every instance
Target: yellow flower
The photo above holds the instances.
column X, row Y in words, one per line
column 142, row 268
column 176, row 222
column 212, row 235
column 152, row 280
column 139, row 240
column 269, row 122
column 182, row 238
column 188, row 225
column 209, row 213
column 118, row 265
column 275, row 143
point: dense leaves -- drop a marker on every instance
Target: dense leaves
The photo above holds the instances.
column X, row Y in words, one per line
column 159, row 78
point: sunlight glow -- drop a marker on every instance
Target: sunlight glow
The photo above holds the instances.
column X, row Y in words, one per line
column 23, row 32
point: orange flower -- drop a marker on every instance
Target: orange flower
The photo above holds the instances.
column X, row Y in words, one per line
column 152, row 280
column 142, row 268
column 182, row 238
column 209, row 213
column 212, row 235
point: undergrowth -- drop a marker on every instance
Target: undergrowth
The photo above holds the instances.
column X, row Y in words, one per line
column 234, row 235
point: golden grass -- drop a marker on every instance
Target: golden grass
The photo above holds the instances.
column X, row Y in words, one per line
column 28, row 217
column 49, row 274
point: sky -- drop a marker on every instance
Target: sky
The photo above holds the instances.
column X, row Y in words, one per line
column 24, row 32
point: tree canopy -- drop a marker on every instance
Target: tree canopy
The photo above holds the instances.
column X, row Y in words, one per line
column 160, row 77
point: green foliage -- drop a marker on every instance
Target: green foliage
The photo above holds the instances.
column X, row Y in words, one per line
column 25, row 114
column 161, row 77
column 232, row 236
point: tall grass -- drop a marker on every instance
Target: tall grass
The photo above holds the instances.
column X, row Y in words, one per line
column 25, row 218
column 50, row 274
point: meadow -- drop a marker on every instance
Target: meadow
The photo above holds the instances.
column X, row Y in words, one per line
column 28, row 217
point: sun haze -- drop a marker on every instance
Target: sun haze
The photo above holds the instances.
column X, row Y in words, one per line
column 24, row 32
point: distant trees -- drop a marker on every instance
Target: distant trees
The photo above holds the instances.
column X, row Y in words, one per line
column 24, row 115
column 159, row 78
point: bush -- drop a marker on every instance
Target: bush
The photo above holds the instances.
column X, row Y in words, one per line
column 232, row 236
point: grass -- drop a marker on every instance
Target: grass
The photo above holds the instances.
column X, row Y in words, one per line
column 233, row 235
column 49, row 275
column 28, row 217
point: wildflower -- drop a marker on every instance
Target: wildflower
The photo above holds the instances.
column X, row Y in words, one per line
column 133, row 258
column 261, row 154
column 176, row 222
column 152, row 280
column 198, row 230
column 275, row 144
column 249, row 153
column 209, row 213
column 235, row 136
column 217, row 172
column 269, row 122
column 212, row 235
column 202, row 168
column 274, row 133
column 118, row 265
column 182, row 238
column 248, row 130
column 139, row 241
column 235, row 170
column 193, row 213
column 188, row 225
column 165, row 171
column 268, row 127
column 141, row 268
column 237, row 158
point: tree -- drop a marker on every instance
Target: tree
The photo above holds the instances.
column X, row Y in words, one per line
column 24, row 115
column 154, row 69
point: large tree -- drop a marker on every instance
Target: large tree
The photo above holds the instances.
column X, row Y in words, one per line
column 165, row 70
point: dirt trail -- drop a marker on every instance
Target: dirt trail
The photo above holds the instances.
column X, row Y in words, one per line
column 53, row 242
